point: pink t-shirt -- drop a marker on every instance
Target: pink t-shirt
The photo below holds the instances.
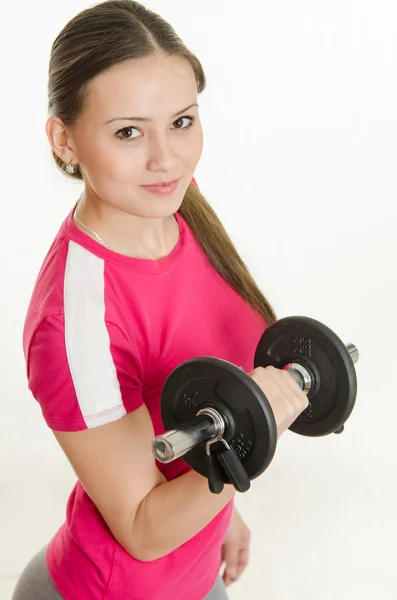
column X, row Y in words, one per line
column 102, row 333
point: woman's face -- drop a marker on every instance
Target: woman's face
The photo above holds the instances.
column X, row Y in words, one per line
column 141, row 126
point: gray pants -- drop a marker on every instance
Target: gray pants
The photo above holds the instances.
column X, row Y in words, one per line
column 35, row 583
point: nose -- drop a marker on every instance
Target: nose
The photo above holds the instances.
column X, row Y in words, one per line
column 161, row 155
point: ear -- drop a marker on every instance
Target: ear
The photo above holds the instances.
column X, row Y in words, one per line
column 61, row 140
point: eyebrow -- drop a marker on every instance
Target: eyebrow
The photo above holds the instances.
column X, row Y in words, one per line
column 147, row 118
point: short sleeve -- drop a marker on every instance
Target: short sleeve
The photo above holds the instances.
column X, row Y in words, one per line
column 82, row 383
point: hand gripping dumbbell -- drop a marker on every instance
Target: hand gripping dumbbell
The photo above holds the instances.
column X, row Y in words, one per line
column 218, row 418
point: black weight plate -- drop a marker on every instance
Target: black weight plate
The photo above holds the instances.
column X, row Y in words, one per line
column 212, row 382
column 313, row 345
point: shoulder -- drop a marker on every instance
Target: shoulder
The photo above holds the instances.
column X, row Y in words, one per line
column 82, row 379
column 70, row 283
column 81, row 368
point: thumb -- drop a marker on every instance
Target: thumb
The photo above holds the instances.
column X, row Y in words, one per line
column 230, row 557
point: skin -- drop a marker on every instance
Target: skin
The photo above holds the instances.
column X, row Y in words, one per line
column 129, row 219
column 235, row 550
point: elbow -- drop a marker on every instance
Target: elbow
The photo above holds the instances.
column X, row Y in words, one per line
column 146, row 555
column 142, row 544
column 143, row 551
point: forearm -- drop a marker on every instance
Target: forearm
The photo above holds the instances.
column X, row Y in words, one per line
column 174, row 512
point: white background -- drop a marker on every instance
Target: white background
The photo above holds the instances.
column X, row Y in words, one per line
column 300, row 164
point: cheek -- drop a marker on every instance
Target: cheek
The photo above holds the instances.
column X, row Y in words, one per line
column 109, row 169
column 118, row 162
column 107, row 159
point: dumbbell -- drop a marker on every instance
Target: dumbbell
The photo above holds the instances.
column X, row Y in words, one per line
column 218, row 418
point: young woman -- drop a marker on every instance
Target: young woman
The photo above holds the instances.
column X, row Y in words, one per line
column 140, row 277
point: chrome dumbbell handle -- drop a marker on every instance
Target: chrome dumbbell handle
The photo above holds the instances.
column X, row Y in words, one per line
column 175, row 443
column 302, row 376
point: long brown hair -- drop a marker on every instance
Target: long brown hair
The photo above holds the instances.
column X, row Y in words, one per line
column 109, row 33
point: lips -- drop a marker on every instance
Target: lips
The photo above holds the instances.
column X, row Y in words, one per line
column 161, row 189
column 163, row 184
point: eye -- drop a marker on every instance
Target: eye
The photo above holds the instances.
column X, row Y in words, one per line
column 126, row 133
column 185, row 118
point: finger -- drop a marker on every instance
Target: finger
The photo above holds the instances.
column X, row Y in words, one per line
column 280, row 397
column 294, row 386
column 243, row 557
column 230, row 557
column 279, row 380
column 277, row 391
column 242, row 562
column 286, row 384
column 230, row 574
column 229, row 580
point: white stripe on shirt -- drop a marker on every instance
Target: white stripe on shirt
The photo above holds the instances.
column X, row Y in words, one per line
column 87, row 339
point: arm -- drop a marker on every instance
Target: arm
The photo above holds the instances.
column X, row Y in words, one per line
column 110, row 451
column 147, row 515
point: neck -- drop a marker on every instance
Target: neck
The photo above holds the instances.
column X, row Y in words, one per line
column 128, row 239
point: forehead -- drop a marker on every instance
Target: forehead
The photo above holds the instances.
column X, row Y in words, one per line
column 147, row 87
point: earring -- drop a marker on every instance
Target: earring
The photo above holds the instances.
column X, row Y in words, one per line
column 71, row 169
